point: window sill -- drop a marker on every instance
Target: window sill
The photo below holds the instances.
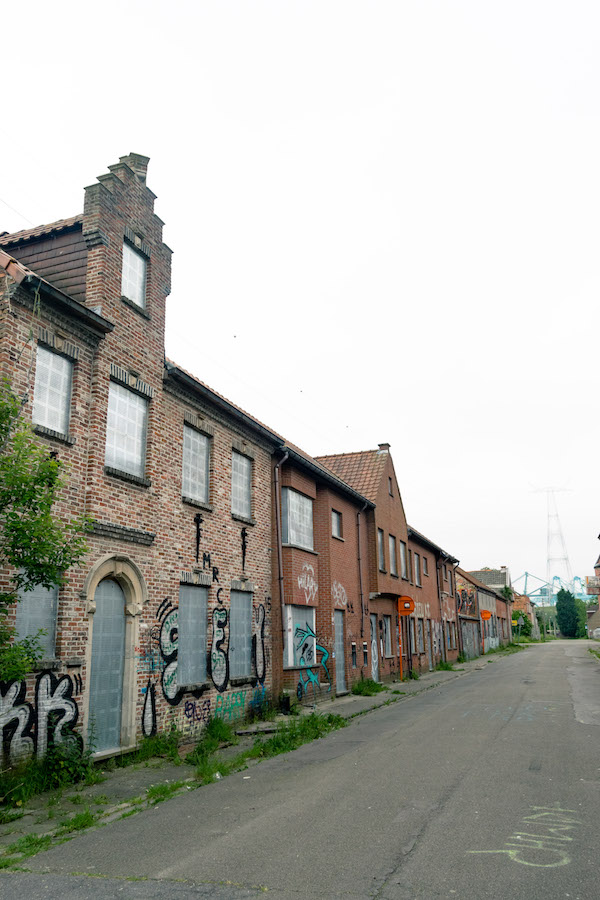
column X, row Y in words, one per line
column 393, row 575
column 239, row 680
column 135, row 307
column 336, row 537
column 299, row 547
column 194, row 686
column 67, row 439
column 127, row 476
column 244, row 519
column 199, row 503
column 382, row 571
column 50, row 662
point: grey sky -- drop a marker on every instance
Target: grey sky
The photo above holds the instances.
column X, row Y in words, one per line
column 385, row 218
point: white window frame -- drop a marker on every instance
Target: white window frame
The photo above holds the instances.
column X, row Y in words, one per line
column 403, row 560
column 241, row 485
column 192, row 621
column 240, row 634
column 336, row 523
column 195, row 465
column 52, row 390
column 37, row 611
column 387, row 636
column 126, row 446
column 299, row 617
column 297, row 519
column 392, row 550
column 380, row 550
column 425, row 566
column 134, row 275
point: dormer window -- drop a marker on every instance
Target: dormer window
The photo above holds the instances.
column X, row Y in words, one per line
column 133, row 276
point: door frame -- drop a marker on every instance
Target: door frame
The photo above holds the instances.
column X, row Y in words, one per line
column 129, row 578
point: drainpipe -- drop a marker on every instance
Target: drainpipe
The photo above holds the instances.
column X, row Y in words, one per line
column 362, row 603
column 279, row 548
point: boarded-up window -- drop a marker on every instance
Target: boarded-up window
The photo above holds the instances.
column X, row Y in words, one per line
column 191, row 635
column 240, row 634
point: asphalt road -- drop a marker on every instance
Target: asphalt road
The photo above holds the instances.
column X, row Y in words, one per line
column 486, row 787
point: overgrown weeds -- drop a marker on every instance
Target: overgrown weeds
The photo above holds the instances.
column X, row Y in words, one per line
column 164, row 791
column 64, row 764
column 78, row 822
column 413, row 674
column 367, row 687
column 445, row 666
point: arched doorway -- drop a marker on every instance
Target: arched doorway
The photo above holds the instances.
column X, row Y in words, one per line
column 107, row 666
column 116, row 593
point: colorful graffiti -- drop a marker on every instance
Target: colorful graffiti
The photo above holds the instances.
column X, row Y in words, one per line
column 29, row 729
column 467, row 601
column 197, row 711
column 305, row 640
column 231, row 706
column 308, row 583
column 258, row 644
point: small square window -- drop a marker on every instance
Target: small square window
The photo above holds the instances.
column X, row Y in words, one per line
column 392, row 548
column 336, row 523
column 241, row 485
column 133, row 276
column 126, row 430
column 194, row 466
column 52, row 390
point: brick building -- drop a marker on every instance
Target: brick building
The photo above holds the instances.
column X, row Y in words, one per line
column 433, row 625
column 372, row 474
column 168, row 620
column 319, row 625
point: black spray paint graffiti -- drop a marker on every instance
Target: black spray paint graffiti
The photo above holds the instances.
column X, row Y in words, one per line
column 219, row 653
column 304, row 641
column 30, row 729
column 258, row 645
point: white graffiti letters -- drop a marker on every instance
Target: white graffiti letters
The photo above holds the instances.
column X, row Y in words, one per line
column 308, row 583
column 339, row 595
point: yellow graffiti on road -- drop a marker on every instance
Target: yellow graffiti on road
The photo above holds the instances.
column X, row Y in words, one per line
column 542, row 846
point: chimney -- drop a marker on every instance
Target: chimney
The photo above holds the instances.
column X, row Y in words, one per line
column 138, row 163
column 383, row 448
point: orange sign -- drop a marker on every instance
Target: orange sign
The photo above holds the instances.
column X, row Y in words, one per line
column 486, row 614
column 406, row 606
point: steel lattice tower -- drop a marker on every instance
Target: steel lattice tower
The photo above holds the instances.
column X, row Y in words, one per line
column 557, row 558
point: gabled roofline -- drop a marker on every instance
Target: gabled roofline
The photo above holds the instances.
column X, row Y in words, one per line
column 421, row 539
column 326, row 475
column 28, row 279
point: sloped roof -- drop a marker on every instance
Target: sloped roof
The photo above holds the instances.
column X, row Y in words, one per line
column 295, row 452
column 29, row 234
column 362, row 470
column 425, row 541
column 492, row 577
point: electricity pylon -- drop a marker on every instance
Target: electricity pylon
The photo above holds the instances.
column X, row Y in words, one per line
column 557, row 558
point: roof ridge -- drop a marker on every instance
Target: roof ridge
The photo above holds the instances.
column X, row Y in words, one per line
column 15, row 237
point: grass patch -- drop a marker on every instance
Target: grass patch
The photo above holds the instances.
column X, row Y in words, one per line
column 367, row 687
column 595, row 653
column 444, row 666
column 64, row 764
column 217, row 732
column 10, row 815
column 30, row 844
column 291, row 735
column 164, row 791
column 164, row 745
column 413, row 675
column 78, row 822
column 398, row 692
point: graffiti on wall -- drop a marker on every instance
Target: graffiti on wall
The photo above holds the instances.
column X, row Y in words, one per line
column 219, row 650
column 258, row 644
column 467, row 599
column 340, row 598
column 197, row 710
column 305, row 640
column 29, row 729
column 308, row 583
column 231, row 706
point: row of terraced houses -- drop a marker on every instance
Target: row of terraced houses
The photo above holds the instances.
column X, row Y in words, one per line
column 226, row 567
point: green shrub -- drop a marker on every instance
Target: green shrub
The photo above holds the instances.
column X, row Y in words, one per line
column 367, row 687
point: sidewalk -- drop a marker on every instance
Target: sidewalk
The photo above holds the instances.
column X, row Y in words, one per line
column 59, row 815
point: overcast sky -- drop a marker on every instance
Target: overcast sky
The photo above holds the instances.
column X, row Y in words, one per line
column 385, row 219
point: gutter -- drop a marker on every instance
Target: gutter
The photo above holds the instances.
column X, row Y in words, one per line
column 24, row 276
column 279, row 547
column 360, row 584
